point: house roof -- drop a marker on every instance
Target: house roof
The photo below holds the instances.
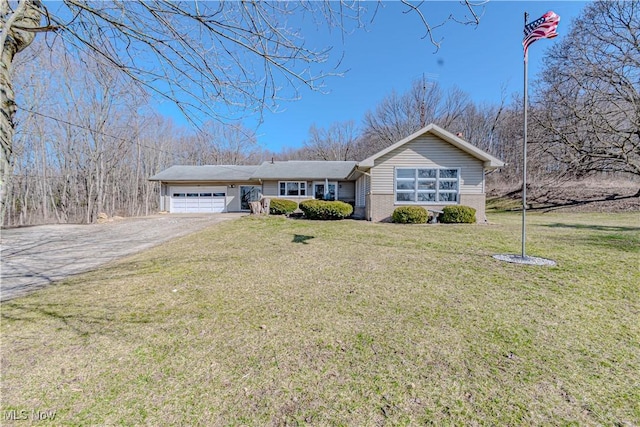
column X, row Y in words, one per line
column 312, row 170
column 206, row 173
column 304, row 169
column 490, row 162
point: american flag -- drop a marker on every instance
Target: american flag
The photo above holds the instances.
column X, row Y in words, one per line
column 542, row 28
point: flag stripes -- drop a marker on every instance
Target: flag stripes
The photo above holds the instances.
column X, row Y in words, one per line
column 542, row 28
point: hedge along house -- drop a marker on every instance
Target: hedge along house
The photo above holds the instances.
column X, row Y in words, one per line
column 216, row 188
column 431, row 168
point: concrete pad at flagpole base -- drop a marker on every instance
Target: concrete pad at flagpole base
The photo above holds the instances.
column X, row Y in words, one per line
column 528, row 260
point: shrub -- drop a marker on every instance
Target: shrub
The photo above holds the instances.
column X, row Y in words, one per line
column 458, row 215
column 282, row 206
column 409, row 215
column 325, row 210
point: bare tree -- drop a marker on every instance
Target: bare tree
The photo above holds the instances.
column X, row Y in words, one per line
column 213, row 59
column 335, row 143
column 224, row 144
column 17, row 31
column 400, row 115
column 588, row 109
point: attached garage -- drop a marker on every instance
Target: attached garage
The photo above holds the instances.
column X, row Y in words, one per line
column 197, row 199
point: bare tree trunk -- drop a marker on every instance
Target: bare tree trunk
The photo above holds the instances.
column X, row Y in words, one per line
column 12, row 41
column 266, row 205
column 255, row 208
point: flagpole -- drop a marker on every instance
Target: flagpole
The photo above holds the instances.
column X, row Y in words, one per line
column 524, row 153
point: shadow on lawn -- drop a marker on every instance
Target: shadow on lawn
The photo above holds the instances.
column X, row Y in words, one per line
column 299, row 238
column 546, row 202
column 593, row 227
column 621, row 238
column 73, row 317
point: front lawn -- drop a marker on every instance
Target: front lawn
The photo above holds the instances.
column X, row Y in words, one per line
column 273, row 321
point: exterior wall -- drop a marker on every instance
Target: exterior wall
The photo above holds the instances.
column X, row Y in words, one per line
column 233, row 198
column 163, row 204
column 346, row 191
column 362, row 189
column 359, row 212
column 271, row 189
column 381, row 206
column 425, row 151
column 428, row 151
column 476, row 201
column 232, row 194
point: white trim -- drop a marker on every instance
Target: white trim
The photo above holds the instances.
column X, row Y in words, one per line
column 306, row 188
column 197, row 199
column 436, row 191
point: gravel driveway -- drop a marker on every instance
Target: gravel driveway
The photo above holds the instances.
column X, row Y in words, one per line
column 34, row 257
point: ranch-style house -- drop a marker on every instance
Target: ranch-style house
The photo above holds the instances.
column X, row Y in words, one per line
column 430, row 168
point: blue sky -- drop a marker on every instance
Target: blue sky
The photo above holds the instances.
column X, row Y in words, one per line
column 392, row 53
column 482, row 61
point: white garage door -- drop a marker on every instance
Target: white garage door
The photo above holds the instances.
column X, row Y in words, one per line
column 198, row 199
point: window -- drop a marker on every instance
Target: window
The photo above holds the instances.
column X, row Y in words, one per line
column 292, row 188
column 427, row 185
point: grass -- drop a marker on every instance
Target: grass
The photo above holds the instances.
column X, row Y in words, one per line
column 269, row 321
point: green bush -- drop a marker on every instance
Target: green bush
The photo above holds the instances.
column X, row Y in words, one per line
column 409, row 215
column 458, row 215
column 325, row 210
column 282, row 206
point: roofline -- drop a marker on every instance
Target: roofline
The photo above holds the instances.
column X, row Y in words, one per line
column 231, row 181
column 255, row 177
column 263, row 178
column 490, row 162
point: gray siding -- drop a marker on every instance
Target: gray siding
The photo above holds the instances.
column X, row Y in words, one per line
column 232, row 194
column 271, row 189
column 428, row 150
column 233, row 199
column 346, row 191
column 362, row 189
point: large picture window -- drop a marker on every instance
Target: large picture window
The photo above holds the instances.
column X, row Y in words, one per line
column 427, row 185
column 292, row 188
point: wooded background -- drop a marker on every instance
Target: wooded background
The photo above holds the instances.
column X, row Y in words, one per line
column 87, row 137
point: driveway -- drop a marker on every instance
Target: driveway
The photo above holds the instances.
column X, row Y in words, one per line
column 34, row 257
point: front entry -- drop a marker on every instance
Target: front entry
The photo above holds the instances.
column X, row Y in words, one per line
column 323, row 192
column 249, row 193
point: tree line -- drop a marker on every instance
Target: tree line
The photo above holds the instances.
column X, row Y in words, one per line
column 217, row 60
column 87, row 138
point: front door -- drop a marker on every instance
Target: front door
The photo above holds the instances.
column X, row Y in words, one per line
column 321, row 191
